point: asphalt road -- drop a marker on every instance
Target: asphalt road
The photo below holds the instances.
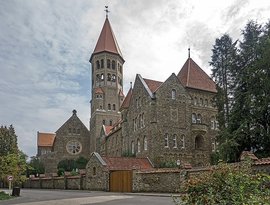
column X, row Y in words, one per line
column 72, row 197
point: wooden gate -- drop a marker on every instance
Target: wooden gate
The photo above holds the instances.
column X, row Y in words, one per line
column 121, row 181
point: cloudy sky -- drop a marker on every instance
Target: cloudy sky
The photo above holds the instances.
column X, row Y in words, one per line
column 45, row 46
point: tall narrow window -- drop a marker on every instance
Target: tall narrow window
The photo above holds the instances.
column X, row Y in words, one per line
column 97, row 65
column 195, row 101
column 182, row 141
column 199, row 119
column 113, row 106
column 194, row 118
column 174, row 141
column 199, row 142
column 113, row 65
column 201, row 102
column 166, row 140
column 206, row 103
column 94, row 171
column 139, row 121
column 173, row 94
column 139, row 145
column 110, row 122
column 143, row 120
column 108, row 63
column 135, row 124
column 132, row 148
column 113, row 78
column 109, row 106
column 145, row 143
column 109, row 77
column 102, row 77
column 102, row 63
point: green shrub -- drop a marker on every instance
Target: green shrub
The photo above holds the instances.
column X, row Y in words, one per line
column 4, row 196
column 60, row 172
column 225, row 185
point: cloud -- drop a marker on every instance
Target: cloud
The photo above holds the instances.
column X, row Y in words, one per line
column 45, row 47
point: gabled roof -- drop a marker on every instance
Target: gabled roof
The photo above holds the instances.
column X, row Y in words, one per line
column 127, row 163
column 71, row 120
column 126, row 101
column 121, row 94
column 107, row 41
column 152, row 84
column 248, row 155
column 192, row 76
column 45, row 139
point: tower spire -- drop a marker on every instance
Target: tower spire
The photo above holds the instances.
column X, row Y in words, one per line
column 189, row 52
column 107, row 11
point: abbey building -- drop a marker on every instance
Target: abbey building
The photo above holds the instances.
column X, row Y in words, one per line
column 168, row 121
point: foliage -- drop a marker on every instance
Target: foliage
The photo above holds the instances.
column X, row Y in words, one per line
column 71, row 164
column 12, row 160
column 8, row 141
column 4, row 196
column 227, row 184
column 35, row 167
column 244, row 103
column 60, row 172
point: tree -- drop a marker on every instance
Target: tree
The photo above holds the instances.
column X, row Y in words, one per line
column 35, row 166
column 223, row 62
column 246, row 126
column 12, row 160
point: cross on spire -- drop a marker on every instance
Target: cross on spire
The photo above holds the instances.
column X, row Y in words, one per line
column 188, row 52
column 107, row 11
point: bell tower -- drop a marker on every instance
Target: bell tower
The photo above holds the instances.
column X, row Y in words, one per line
column 107, row 82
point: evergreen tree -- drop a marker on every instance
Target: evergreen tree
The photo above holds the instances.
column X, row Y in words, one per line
column 8, row 141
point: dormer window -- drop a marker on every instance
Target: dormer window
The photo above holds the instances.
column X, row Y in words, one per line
column 173, row 94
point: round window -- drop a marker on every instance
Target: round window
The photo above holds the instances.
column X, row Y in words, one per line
column 74, row 147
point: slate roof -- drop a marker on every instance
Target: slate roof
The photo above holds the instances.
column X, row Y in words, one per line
column 262, row 161
column 107, row 129
column 98, row 91
column 107, row 41
column 127, row 163
column 45, row 139
column 192, row 76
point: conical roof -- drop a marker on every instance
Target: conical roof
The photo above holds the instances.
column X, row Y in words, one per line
column 192, row 76
column 107, row 41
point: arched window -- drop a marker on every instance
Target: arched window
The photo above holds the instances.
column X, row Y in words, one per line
column 166, row 140
column 194, row 118
column 173, row 94
column 113, row 78
column 102, row 63
column 120, row 69
column 182, row 141
column 108, row 63
column 199, row 142
column 174, row 141
column 206, row 103
column 199, row 119
column 135, row 125
column 195, row 101
column 132, row 148
column 94, row 171
column 97, row 64
column 145, row 143
column 102, row 77
column 113, row 65
column 109, row 77
column 201, row 102
column 140, row 120
column 113, row 106
column 143, row 120
column 139, row 145
column 97, row 78
column 109, row 106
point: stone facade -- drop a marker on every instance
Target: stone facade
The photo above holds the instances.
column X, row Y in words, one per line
column 71, row 142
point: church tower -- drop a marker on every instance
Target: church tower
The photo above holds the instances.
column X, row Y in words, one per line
column 107, row 83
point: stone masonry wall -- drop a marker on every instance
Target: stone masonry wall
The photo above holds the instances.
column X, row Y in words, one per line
column 157, row 181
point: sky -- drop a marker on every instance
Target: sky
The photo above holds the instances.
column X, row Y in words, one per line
column 45, row 48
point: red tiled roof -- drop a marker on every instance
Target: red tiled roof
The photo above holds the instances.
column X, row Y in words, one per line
column 249, row 155
column 107, row 40
column 126, row 101
column 262, row 161
column 98, row 91
column 192, row 76
column 107, row 129
column 45, row 139
column 121, row 94
column 127, row 163
column 152, row 84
